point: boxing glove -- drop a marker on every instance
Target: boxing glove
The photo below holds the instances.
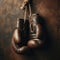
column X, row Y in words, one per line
column 35, row 32
column 20, row 36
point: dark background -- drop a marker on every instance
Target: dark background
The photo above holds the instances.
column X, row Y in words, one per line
column 10, row 11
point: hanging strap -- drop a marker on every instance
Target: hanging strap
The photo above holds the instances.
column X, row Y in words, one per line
column 25, row 13
column 30, row 12
column 30, row 18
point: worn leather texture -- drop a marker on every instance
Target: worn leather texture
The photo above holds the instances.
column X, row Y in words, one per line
column 49, row 10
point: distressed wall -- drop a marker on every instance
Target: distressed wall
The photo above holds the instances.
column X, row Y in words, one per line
column 10, row 11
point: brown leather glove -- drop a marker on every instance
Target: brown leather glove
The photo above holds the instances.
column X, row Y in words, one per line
column 16, row 43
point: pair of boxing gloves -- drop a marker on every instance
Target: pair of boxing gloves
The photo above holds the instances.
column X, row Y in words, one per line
column 27, row 35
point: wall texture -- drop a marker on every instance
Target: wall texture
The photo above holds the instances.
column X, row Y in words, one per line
column 10, row 11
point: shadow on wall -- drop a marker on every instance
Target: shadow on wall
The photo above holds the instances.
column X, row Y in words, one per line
column 46, row 35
